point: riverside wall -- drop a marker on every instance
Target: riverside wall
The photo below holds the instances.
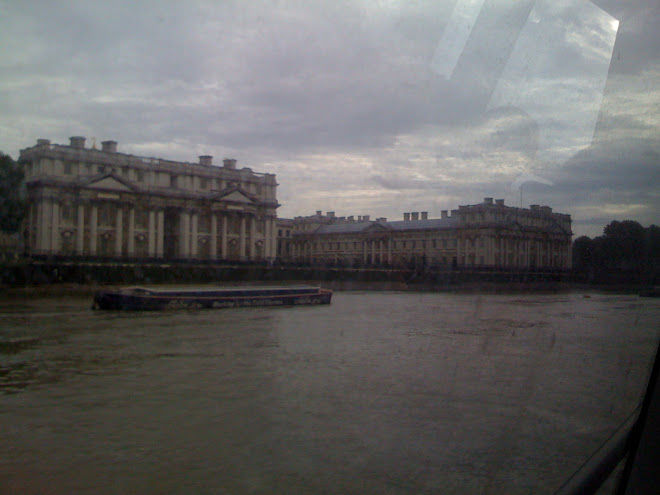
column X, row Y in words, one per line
column 53, row 273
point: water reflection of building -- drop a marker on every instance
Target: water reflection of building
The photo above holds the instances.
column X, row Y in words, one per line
column 90, row 202
column 489, row 234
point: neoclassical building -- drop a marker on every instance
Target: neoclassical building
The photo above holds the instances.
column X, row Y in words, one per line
column 101, row 203
column 488, row 234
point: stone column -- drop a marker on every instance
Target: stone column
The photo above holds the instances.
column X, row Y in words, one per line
column 273, row 238
column 268, row 254
column 458, row 250
column 194, row 217
column 223, row 239
column 160, row 237
column 364, row 252
column 80, row 232
column 214, row 236
column 151, row 243
column 93, row 230
column 373, row 252
column 119, row 228
column 36, row 209
column 389, row 251
column 131, row 232
column 55, row 231
column 241, row 239
column 253, row 230
column 45, row 220
column 184, row 235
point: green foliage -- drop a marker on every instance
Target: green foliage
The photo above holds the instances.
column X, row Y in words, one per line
column 12, row 201
column 626, row 248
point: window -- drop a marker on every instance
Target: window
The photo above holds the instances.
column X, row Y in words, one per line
column 68, row 168
column 141, row 218
column 174, row 180
column 67, row 213
column 204, row 183
column 106, row 214
column 140, row 175
column 100, row 169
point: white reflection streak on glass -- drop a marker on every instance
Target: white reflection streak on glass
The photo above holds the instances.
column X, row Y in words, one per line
column 557, row 73
column 455, row 37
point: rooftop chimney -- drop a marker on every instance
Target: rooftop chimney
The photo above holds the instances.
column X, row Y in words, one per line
column 319, row 213
column 331, row 214
column 109, row 146
column 535, row 207
column 350, row 218
column 488, row 201
column 454, row 213
column 414, row 215
column 43, row 142
column 206, row 160
column 425, row 215
column 443, row 214
column 77, row 142
column 359, row 218
column 499, row 202
column 229, row 163
column 365, row 218
column 406, row 217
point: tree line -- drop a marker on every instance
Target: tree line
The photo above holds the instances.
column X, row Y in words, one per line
column 626, row 252
column 12, row 195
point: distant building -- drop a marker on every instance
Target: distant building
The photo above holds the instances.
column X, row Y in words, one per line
column 101, row 203
column 489, row 234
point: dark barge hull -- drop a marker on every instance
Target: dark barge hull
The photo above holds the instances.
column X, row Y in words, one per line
column 137, row 299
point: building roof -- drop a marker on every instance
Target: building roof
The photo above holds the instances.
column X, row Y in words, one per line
column 432, row 223
column 352, row 228
column 344, row 228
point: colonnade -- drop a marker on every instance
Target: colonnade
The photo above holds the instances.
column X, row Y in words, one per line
column 471, row 250
column 128, row 239
column 370, row 251
column 514, row 251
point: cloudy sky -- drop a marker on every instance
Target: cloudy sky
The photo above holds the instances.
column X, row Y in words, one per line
column 359, row 106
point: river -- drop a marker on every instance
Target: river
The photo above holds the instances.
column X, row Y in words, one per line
column 377, row 393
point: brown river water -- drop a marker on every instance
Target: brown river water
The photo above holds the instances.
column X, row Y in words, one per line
column 377, row 393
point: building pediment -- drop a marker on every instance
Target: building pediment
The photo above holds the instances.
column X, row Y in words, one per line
column 234, row 195
column 108, row 182
column 377, row 227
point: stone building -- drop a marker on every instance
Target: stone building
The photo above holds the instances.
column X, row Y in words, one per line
column 101, row 203
column 489, row 234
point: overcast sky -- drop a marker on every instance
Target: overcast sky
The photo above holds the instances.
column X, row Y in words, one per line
column 360, row 107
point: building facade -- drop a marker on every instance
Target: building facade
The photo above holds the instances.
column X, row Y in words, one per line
column 101, row 203
column 488, row 234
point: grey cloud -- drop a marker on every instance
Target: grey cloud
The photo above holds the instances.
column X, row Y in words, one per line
column 290, row 87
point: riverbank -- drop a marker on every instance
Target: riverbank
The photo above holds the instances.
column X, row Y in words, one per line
column 84, row 278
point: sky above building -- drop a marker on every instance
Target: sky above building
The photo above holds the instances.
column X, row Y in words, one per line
column 360, row 107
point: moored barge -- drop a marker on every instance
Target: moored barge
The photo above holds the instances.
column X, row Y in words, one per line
column 138, row 298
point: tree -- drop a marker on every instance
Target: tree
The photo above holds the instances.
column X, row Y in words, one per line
column 583, row 253
column 12, row 202
column 624, row 244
